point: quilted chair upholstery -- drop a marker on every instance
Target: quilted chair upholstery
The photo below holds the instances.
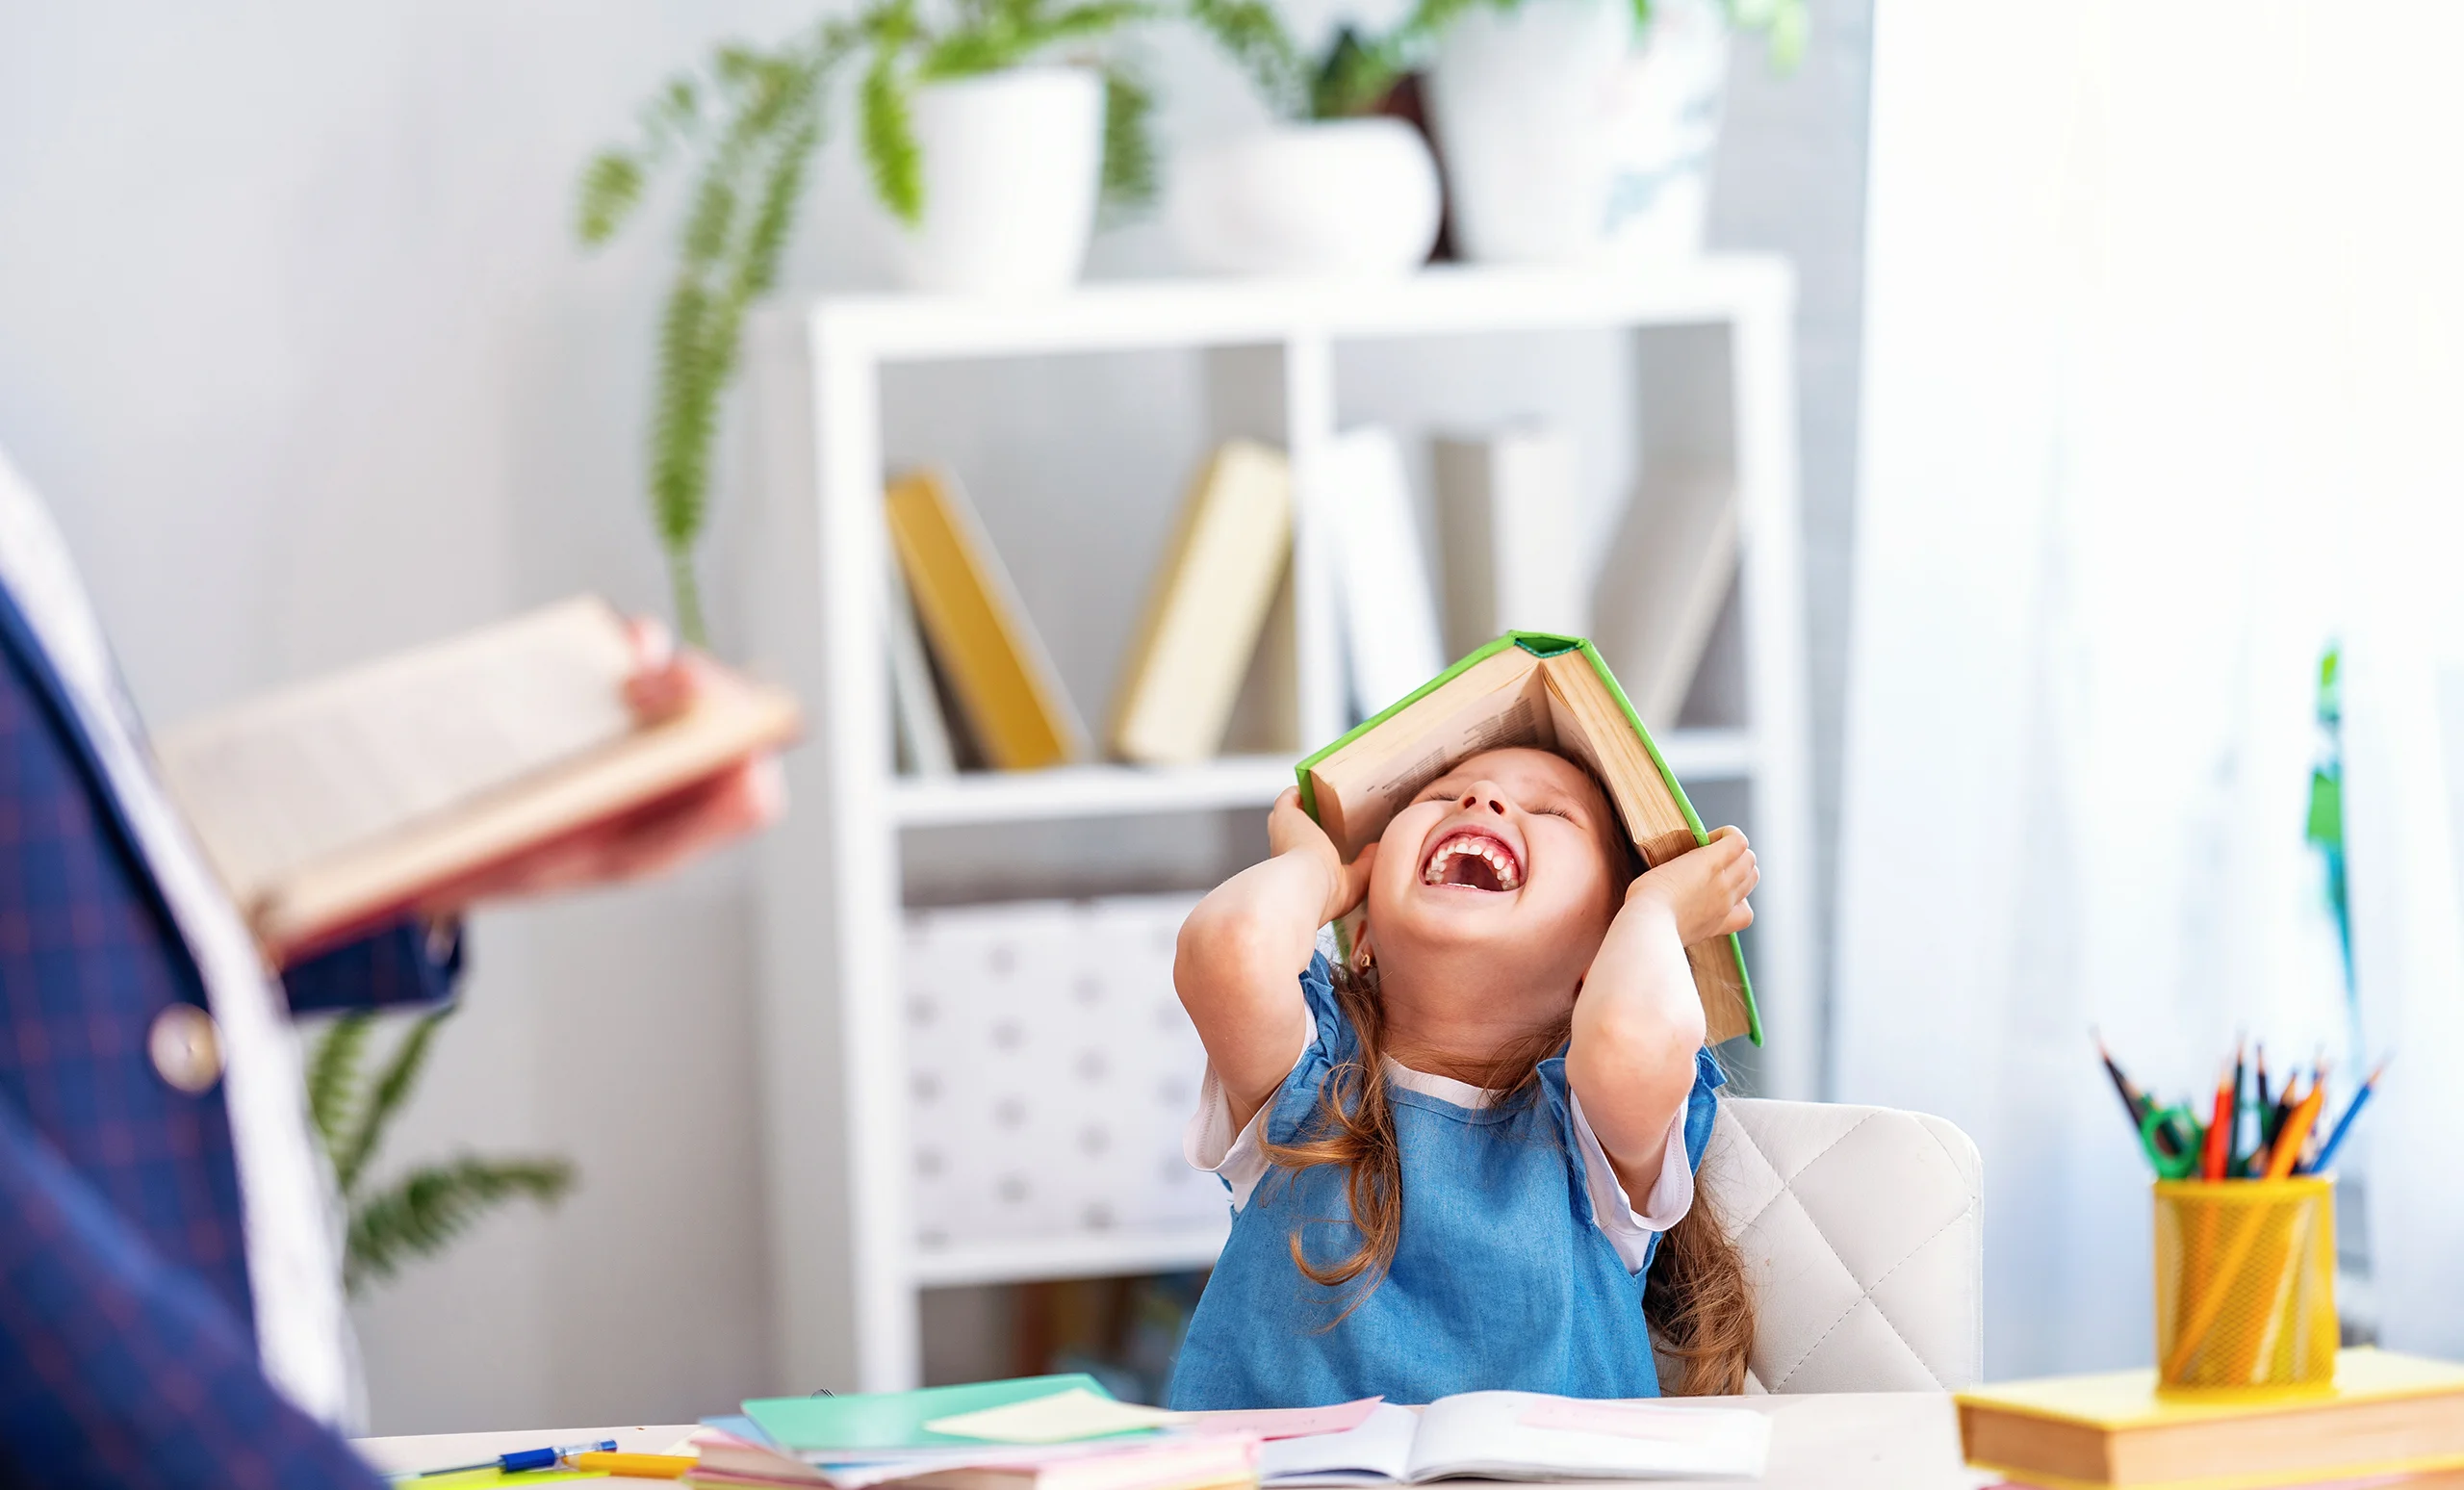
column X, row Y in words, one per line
column 1863, row 1234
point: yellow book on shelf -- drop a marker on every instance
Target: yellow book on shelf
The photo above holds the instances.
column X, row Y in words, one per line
column 1209, row 606
column 2387, row 1414
column 987, row 648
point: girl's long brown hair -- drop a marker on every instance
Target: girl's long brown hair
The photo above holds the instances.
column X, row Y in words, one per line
column 1695, row 1295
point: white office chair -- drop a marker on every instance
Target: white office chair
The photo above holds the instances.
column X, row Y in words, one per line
column 1863, row 1234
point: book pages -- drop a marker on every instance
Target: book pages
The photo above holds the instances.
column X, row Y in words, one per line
column 274, row 785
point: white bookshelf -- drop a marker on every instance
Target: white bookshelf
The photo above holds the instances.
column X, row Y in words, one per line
column 847, row 1264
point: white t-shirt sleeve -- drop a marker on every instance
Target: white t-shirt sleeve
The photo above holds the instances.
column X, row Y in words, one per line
column 1630, row 1228
column 1208, row 1143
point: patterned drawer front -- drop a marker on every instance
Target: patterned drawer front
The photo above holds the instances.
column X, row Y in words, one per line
column 1051, row 1069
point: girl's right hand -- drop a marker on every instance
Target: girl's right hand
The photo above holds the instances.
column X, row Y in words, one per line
column 1291, row 831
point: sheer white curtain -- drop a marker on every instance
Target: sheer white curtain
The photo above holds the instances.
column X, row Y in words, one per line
column 2162, row 394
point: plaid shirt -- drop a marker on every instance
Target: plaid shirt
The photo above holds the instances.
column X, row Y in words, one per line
column 127, row 1355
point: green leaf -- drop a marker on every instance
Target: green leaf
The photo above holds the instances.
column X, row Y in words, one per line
column 1252, row 36
column 774, row 218
column 1129, row 180
column 1356, row 76
column 611, row 185
column 1083, row 22
column 392, row 1088
column 888, row 134
column 333, row 1075
column 967, row 54
column 1792, row 29
column 680, row 432
column 419, row 1214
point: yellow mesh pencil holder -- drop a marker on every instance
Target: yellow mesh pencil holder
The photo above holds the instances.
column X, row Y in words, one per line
column 2245, row 1286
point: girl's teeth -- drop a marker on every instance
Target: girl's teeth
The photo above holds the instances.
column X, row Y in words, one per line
column 1501, row 863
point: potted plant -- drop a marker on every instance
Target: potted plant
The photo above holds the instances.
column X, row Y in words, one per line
column 1565, row 140
column 984, row 133
column 420, row 1211
column 1334, row 187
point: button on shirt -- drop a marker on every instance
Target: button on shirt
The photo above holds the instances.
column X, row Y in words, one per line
column 293, row 1217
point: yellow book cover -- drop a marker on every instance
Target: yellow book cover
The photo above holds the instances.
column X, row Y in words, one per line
column 979, row 630
column 2387, row 1414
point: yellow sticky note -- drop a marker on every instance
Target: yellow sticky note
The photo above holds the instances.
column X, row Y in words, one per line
column 1058, row 1418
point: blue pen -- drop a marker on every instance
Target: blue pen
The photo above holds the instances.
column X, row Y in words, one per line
column 515, row 1463
column 2327, row 1149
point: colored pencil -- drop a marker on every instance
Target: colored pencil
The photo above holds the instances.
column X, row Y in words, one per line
column 2219, row 1129
column 2135, row 1102
column 2236, row 1161
column 2343, row 1124
column 2288, row 1143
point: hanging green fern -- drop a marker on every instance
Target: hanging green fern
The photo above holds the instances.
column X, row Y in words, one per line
column 1253, row 36
column 428, row 1208
column 751, row 121
column 1130, row 173
column 417, row 1215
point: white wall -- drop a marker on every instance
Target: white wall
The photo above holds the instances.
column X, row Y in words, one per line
column 295, row 341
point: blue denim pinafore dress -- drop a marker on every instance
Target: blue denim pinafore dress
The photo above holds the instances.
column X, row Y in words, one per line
column 1501, row 1279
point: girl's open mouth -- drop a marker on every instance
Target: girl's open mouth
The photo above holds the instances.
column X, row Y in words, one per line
column 1474, row 861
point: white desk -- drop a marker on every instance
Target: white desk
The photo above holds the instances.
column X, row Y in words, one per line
column 1851, row 1441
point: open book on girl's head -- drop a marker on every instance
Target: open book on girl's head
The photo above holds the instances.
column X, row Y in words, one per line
column 1528, row 689
column 1524, row 1435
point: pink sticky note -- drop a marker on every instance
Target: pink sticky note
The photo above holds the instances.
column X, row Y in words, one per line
column 1622, row 1419
column 1284, row 1421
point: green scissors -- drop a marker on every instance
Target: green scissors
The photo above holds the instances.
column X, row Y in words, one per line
column 2178, row 1125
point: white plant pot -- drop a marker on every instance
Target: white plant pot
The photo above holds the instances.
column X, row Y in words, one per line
column 1343, row 197
column 1011, row 165
column 1565, row 143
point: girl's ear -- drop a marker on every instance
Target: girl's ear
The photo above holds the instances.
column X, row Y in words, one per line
column 1364, row 956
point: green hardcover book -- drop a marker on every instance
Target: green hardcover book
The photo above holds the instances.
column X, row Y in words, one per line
column 1528, row 689
column 871, row 1421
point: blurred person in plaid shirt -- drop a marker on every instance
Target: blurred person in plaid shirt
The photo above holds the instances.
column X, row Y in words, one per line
column 170, row 1278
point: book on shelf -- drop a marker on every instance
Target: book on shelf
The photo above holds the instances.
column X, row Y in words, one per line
column 1507, row 515
column 1524, row 1435
column 1006, row 686
column 2387, row 1415
column 923, row 731
column 1208, row 606
column 1669, row 571
column 1385, row 603
column 1528, row 689
column 336, row 805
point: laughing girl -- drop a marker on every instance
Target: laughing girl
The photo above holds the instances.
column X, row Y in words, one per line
column 1464, row 1160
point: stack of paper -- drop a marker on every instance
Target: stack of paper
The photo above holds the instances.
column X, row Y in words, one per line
column 1066, row 1432
column 1060, row 1433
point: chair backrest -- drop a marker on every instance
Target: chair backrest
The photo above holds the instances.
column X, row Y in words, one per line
column 1863, row 1234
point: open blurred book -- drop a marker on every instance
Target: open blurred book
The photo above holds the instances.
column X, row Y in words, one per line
column 332, row 806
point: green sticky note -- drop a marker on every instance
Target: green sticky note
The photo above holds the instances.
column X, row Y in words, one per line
column 895, row 1420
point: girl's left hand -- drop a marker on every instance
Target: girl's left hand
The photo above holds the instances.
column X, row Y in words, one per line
column 1704, row 890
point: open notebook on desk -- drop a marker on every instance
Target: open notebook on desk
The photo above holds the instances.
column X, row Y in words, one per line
column 1524, row 1435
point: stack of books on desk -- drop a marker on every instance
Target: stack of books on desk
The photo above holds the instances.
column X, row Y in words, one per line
column 1065, row 1433
column 2388, row 1421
